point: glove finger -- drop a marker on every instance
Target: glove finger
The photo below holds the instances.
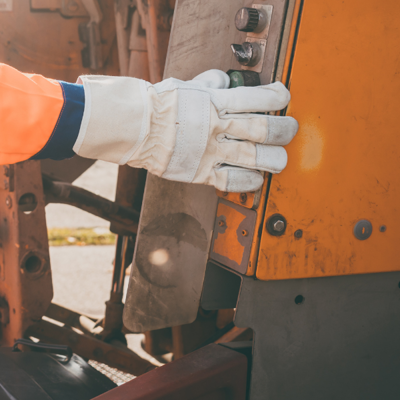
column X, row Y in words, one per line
column 238, row 180
column 213, row 78
column 267, row 98
column 253, row 156
column 264, row 129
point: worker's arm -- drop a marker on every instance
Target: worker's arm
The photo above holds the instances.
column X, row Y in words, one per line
column 39, row 118
column 197, row 131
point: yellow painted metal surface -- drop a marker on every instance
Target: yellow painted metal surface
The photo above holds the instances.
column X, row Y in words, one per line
column 248, row 200
column 344, row 162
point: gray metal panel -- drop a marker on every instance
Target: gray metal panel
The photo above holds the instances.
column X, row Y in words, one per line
column 168, row 294
column 220, row 289
column 340, row 342
column 161, row 297
column 176, row 216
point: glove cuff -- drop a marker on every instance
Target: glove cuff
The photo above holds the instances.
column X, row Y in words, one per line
column 114, row 120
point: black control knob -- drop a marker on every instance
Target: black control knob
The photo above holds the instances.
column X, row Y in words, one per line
column 247, row 54
column 250, row 20
column 243, row 78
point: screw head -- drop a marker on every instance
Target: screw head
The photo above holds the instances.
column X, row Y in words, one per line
column 279, row 226
column 298, row 234
column 382, row 228
column 362, row 229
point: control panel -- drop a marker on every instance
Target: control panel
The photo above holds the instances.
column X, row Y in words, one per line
column 259, row 56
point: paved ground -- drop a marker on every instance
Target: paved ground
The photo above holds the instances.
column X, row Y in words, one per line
column 82, row 275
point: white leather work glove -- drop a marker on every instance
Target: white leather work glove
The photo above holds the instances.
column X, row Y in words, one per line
column 196, row 131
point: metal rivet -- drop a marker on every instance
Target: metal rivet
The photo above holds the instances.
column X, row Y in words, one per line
column 221, row 223
column 243, row 197
column 244, row 232
column 299, row 299
column 382, row 228
column 362, row 229
column 279, row 226
column 298, row 234
column 276, row 225
column 8, row 202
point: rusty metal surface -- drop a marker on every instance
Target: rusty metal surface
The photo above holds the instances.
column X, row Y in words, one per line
column 67, row 8
column 25, row 276
column 211, row 373
column 25, row 42
column 129, row 193
column 156, row 17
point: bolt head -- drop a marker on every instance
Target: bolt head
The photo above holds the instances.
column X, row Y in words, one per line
column 279, row 226
column 8, row 202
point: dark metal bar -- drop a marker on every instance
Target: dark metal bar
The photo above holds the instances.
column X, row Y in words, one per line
column 65, row 193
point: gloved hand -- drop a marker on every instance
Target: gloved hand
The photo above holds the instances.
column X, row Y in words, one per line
column 196, row 131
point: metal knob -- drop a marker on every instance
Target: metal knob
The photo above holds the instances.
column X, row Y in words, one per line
column 250, row 20
column 247, row 54
column 243, row 78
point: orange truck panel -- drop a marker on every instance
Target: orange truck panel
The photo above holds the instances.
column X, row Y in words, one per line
column 344, row 162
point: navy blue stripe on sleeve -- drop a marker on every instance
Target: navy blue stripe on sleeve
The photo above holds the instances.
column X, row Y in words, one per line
column 66, row 131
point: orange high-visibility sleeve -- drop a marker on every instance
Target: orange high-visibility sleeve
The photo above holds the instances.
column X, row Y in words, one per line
column 30, row 106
